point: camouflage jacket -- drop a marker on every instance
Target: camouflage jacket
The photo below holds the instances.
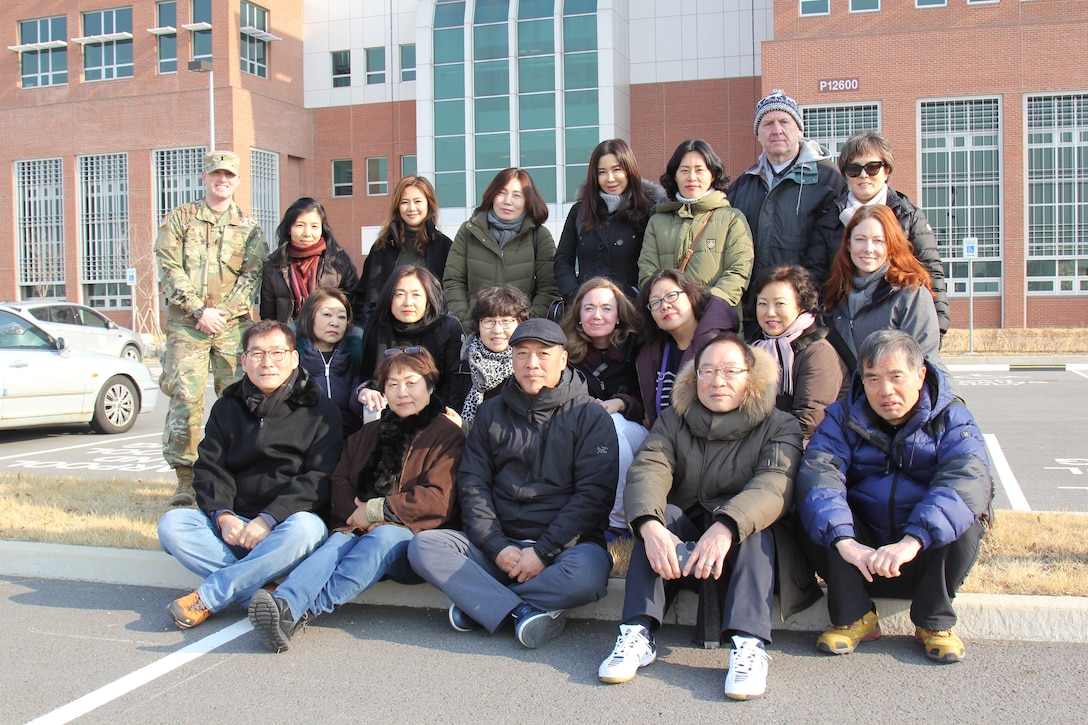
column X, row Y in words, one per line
column 204, row 265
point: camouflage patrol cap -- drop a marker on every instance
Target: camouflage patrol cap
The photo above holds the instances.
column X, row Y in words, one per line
column 224, row 160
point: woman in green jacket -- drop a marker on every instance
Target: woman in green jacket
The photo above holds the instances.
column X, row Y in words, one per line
column 699, row 232
column 504, row 243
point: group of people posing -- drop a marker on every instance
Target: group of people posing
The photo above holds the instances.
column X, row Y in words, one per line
column 744, row 377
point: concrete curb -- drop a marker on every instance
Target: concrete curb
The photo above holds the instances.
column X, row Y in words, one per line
column 981, row 616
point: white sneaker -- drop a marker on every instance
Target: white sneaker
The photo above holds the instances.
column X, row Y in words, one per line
column 634, row 649
column 747, row 676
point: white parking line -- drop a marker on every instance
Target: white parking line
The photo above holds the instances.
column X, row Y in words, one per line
column 102, row 442
column 128, row 683
column 1004, row 472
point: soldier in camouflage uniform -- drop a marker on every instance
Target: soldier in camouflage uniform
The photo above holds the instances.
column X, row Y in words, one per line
column 210, row 256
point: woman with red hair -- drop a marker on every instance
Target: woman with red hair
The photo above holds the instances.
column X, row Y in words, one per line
column 877, row 283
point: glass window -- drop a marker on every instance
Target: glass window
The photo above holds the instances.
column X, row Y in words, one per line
column 46, row 66
column 580, row 142
column 377, row 176
column 452, row 188
column 449, row 118
column 408, row 165
column 177, row 178
column 264, row 184
column 167, row 17
column 202, row 39
column 492, row 78
column 490, row 41
column 492, row 151
column 537, row 110
column 449, row 153
column 341, row 68
column 449, row 81
column 491, row 11
column 375, row 66
column 536, row 74
column 582, row 109
column 580, row 70
column 930, row 3
column 1057, row 193
column 408, row 62
column 39, row 228
column 864, row 6
column 449, row 14
column 544, row 179
column 575, row 7
column 341, row 177
column 449, row 46
column 580, row 33
column 961, row 180
column 535, row 9
column 102, row 185
column 493, row 114
column 815, row 7
column 538, row 148
column 830, row 126
column 536, row 37
column 254, row 47
column 107, row 59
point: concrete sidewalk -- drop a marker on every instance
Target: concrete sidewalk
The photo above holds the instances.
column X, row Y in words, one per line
column 981, row 616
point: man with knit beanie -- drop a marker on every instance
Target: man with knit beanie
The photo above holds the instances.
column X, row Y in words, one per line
column 787, row 190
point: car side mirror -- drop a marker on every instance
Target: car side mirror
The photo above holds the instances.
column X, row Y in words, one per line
column 59, row 344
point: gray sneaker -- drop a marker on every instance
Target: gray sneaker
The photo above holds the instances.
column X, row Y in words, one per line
column 535, row 628
column 272, row 619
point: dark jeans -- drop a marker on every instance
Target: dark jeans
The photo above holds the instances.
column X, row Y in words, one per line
column 749, row 568
column 930, row 581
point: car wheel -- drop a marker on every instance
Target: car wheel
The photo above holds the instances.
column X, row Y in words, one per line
column 131, row 352
column 117, row 406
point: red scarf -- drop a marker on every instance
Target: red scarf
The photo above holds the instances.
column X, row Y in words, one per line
column 302, row 271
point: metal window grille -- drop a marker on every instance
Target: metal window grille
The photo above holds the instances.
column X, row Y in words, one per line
column 104, row 227
column 39, row 228
column 177, row 178
column 831, row 125
column 265, row 173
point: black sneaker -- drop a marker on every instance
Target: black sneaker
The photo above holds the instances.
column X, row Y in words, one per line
column 533, row 627
column 271, row 617
column 460, row 621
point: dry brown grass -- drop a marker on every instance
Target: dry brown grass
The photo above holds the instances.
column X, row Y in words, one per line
column 1019, row 341
column 1024, row 553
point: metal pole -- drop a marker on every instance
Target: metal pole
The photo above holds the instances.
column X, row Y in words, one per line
column 211, row 110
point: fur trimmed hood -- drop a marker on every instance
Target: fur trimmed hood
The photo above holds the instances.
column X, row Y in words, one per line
column 759, row 400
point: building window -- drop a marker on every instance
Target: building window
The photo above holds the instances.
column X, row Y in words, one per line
column 408, row 62
column 961, row 187
column 104, row 230
column 831, row 125
column 255, row 40
column 864, row 6
column 341, row 177
column 166, row 14
column 201, row 28
column 377, row 176
column 341, row 68
column 815, row 7
column 1057, row 168
column 107, row 44
column 177, row 178
column 930, row 3
column 39, row 228
column 375, row 66
column 43, row 52
column 581, row 98
column 450, row 143
column 264, row 173
column 408, row 166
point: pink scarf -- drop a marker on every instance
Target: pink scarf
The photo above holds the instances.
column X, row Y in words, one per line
column 782, row 349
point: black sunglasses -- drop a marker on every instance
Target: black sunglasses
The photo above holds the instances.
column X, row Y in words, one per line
column 872, row 169
column 415, row 350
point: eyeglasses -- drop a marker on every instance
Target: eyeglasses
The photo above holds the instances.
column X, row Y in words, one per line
column 258, row 356
column 871, row 169
column 669, row 297
column 489, row 323
column 710, row 374
column 414, row 350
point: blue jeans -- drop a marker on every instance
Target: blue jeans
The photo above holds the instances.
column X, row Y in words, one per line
column 232, row 573
column 345, row 566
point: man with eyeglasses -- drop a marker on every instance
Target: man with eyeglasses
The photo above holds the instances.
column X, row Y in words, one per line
column 262, row 471
column 536, row 483
column 787, row 190
column 210, row 256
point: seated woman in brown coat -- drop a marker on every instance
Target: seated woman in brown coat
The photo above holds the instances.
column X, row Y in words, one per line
column 396, row 477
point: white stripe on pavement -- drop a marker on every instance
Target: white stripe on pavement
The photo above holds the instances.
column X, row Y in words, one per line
column 1004, row 472
column 102, row 442
column 128, row 683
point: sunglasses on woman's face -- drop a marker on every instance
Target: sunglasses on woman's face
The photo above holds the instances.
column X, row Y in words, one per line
column 871, row 169
column 403, row 350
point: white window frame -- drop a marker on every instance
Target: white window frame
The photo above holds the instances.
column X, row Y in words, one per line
column 39, row 228
column 177, row 178
column 343, row 189
column 264, row 183
column 109, row 43
column 104, row 229
column 43, row 50
column 377, row 184
column 834, row 142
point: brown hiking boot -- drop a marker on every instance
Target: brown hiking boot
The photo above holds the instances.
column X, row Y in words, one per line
column 188, row 611
column 184, row 495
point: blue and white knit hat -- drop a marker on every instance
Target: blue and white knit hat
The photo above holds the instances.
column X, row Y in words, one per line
column 779, row 101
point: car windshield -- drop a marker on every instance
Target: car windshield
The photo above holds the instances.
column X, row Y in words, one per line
column 17, row 333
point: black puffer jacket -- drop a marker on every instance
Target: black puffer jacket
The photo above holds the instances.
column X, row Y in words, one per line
column 278, row 302
column 280, row 464
column 379, row 265
column 830, row 230
column 540, row 468
column 610, row 250
column 442, row 338
column 783, row 218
